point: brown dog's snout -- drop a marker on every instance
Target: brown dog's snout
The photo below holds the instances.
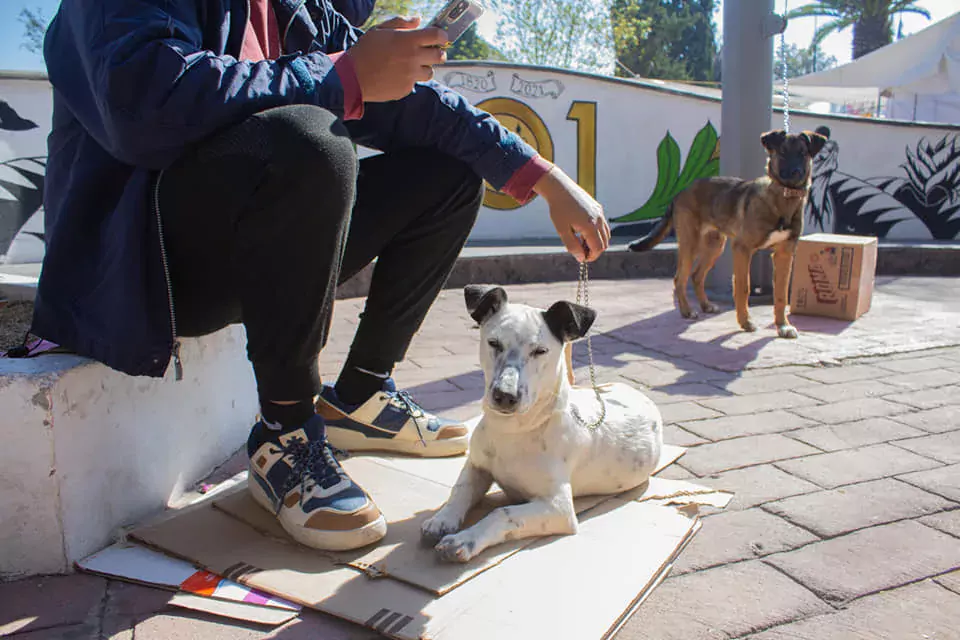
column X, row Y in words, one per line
column 791, row 173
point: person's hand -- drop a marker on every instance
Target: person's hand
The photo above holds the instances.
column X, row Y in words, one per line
column 576, row 215
column 394, row 55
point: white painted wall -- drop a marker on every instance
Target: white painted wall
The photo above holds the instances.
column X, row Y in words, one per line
column 632, row 119
column 87, row 450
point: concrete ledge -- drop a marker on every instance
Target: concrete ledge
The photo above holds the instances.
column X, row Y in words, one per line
column 548, row 262
column 895, row 259
column 87, row 450
column 537, row 263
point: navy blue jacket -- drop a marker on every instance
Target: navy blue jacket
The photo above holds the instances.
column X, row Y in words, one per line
column 136, row 82
column 355, row 11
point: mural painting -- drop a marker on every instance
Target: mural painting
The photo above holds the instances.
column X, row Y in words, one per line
column 702, row 161
column 21, row 182
column 525, row 122
column 631, row 145
column 928, row 193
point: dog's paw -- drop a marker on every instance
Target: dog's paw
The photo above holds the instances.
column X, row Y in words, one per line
column 436, row 527
column 710, row 308
column 748, row 325
column 787, row 331
column 689, row 314
column 457, row 548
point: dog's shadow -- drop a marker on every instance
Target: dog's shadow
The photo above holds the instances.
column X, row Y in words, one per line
column 820, row 325
column 700, row 361
column 706, row 365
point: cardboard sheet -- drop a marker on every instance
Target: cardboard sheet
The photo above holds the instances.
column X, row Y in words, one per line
column 199, row 590
column 580, row 587
column 406, row 501
column 622, row 550
column 407, row 497
column 232, row 609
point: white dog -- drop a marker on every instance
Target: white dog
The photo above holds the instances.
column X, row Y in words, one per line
column 529, row 441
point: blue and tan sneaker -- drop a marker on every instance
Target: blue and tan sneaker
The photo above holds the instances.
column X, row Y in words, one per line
column 390, row 421
column 296, row 477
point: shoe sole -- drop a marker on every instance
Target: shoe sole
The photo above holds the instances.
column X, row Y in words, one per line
column 350, row 440
column 321, row 540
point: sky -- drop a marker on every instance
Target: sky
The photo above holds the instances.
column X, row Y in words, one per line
column 799, row 32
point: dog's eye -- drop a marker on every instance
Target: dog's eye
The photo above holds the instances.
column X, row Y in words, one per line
column 538, row 351
column 495, row 344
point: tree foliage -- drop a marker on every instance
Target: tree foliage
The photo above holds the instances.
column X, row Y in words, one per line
column 800, row 61
column 386, row 9
column 666, row 39
column 571, row 34
column 872, row 20
column 34, row 27
column 472, row 46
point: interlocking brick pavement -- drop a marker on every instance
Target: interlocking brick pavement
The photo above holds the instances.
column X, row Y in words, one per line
column 850, row 435
column 943, row 481
column 841, row 448
column 838, row 511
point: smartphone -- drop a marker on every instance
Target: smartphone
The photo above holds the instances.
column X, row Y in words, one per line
column 456, row 17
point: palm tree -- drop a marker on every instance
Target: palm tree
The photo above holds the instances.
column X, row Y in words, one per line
column 872, row 20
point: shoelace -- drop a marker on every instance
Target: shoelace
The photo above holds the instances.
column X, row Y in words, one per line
column 415, row 410
column 311, row 461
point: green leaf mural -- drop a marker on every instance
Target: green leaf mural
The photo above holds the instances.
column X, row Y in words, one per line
column 703, row 161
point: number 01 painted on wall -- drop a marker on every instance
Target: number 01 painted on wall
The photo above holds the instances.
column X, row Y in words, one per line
column 524, row 121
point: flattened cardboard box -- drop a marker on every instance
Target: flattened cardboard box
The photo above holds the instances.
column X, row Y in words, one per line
column 833, row 275
column 577, row 587
column 195, row 589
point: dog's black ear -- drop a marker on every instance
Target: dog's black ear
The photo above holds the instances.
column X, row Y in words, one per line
column 772, row 140
column 483, row 301
column 815, row 142
column 568, row 321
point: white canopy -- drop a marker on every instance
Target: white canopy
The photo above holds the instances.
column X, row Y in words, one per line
column 921, row 68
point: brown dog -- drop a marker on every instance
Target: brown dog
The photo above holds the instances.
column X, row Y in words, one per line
column 766, row 213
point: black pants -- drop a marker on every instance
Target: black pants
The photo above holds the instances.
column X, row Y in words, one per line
column 258, row 228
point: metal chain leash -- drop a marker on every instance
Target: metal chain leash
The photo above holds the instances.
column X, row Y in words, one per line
column 583, row 298
column 786, row 80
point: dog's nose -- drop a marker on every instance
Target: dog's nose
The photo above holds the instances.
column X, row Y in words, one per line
column 791, row 174
column 504, row 399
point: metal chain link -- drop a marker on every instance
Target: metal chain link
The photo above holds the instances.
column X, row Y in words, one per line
column 786, row 81
column 583, row 298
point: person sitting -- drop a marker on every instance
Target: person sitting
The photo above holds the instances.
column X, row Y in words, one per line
column 203, row 172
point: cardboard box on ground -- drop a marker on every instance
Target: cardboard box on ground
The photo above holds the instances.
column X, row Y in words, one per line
column 579, row 587
column 833, row 276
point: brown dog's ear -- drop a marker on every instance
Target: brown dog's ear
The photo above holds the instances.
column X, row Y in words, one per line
column 815, row 142
column 483, row 301
column 568, row 321
column 772, row 140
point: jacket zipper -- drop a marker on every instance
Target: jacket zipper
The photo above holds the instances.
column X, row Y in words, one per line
column 175, row 352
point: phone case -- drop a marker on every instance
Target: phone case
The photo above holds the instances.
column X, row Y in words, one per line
column 456, row 17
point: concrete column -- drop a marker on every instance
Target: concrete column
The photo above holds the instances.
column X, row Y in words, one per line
column 749, row 27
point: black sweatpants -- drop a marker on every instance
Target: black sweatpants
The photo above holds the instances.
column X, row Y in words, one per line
column 258, row 229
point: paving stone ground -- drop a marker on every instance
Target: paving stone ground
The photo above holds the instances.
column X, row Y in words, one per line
column 842, row 448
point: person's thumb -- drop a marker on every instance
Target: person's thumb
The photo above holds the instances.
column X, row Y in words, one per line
column 573, row 244
column 400, row 22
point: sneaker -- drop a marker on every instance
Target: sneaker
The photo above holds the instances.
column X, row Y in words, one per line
column 295, row 476
column 390, row 421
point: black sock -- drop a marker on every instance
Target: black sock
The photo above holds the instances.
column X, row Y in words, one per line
column 286, row 416
column 358, row 382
